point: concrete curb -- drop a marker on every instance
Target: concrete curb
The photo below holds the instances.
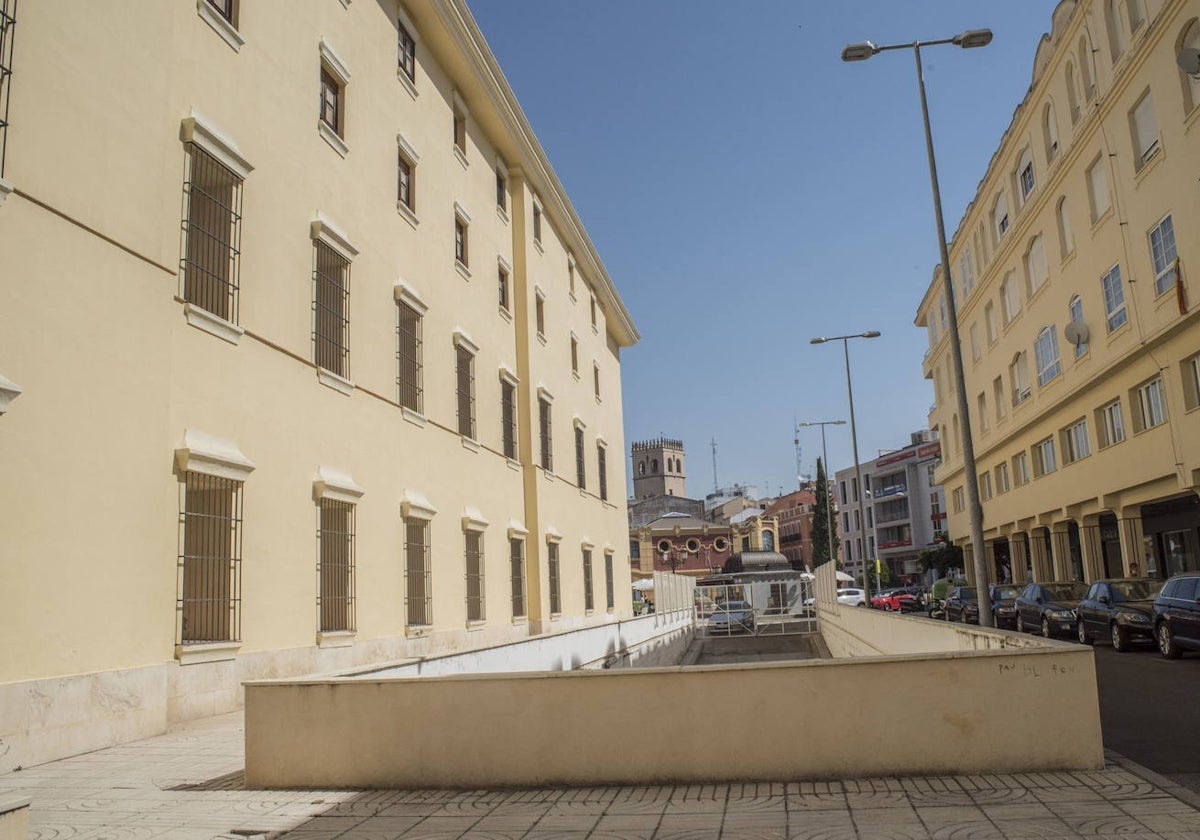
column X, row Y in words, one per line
column 1161, row 782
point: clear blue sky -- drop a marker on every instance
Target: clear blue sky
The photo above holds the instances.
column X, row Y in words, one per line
column 748, row 190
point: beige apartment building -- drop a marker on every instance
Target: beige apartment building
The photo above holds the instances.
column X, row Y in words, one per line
column 306, row 360
column 1074, row 274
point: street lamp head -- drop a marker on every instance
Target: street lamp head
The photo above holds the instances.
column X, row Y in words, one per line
column 817, row 340
column 839, row 422
column 974, row 38
column 860, row 51
column 871, row 334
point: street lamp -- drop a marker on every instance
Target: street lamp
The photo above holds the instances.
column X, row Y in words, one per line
column 862, row 516
column 967, row 40
column 825, row 455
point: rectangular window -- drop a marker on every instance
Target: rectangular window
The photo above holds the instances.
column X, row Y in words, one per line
column 460, row 240
column 501, row 190
column 975, row 342
column 1163, row 253
column 332, row 99
column 516, row 572
column 1020, row 463
column 596, row 380
column 989, row 321
column 460, row 132
column 602, row 469
column 575, row 356
column 1026, row 178
column 552, row 570
column 1036, row 270
column 959, row 500
column 537, row 222
column 465, row 390
column 1144, row 127
column 1191, row 382
column 1075, row 444
column 1019, row 372
column 405, row 193
column 502, row 283
column 417, row 589
column 1002, row 484
column 1044, row 461
column 408, row 52
column 331, row 290
column 539, row 311
column 408, row 355
column 1109, row 424
column 508, row 418
column 475, row 587
column 998, row 396
column 212, row 229
column 545, row 432
column 1151, row 405
column 1010, row 297
column 595, row 315
column 210, row 565
column 985, row 486
column 1114, row 298
column 1045, row 352
column 981, row 411
column 589, row 597
column 610, row 601
column 335, row 566
column 1097, row 189
column 225, row 8
column 580, row 463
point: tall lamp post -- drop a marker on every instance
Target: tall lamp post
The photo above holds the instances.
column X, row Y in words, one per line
column 862, row 490
column 861, row 51
column 825, row 455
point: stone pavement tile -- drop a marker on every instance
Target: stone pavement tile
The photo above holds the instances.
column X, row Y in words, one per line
column 507, row 822
column 695, row 806
column 817, row 802
column 756, row 804
column 520, row 810
column 833, row 831
column 1054, row 796
column 691, row 822
column 382, row 827
column 874, row 816
column 1026, row 811
column 967, row 831
column 876, row 799
column 621, row 834
column 530, row 796
column 567, row 822
column 552, row 834
column 1171, row 822
column 647, row 803
column 442, row 828
column 934, row 792
column 1167, row 805
column 883, row 831
column 707, row 833
column 411, row 809
column 949, row 815
column 578, row 808
column 1106, row 824
column 466, row 808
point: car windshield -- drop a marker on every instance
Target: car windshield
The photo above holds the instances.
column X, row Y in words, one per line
column 1072, row 591
column 966, row 593
column 1007, row 591
column 1134, row 590
column 735, row 606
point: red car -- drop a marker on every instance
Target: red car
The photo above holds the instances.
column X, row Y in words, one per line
column 895, row 600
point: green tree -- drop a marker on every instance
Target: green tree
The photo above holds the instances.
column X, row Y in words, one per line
column 886, row 581
column 942, row 557
column 824, row 545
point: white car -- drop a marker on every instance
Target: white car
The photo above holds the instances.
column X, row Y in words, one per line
column 852, row 597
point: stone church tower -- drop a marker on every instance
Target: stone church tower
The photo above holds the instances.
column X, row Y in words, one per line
column 658, row 469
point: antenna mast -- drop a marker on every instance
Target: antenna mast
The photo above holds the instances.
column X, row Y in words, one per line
column 716, row 486
column 799, row 466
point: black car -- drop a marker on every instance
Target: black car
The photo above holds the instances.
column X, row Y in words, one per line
column 963, row 605
column 1049, row 607
column 1121, row 609
column 1004, row 603
column 1177, row 615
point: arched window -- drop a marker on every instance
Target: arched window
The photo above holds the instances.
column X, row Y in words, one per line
column 1066, row 241
column 1075, row 310
column 1190, row 39
column 1036, row 272
column 1000, row 216
column 654, row 466
column 1137, row 14
column 1086, row 64
column 642, row 468
column 1045, row 353
column 1018, row 374
column 1050, row 131
column 1116, row 33
column 1072, row 93
column 1025, row 179
column 1010, row 297
column 768, row 540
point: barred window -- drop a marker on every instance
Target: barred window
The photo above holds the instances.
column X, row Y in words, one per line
column 408, row 355
column 516, row 561
column 508, row 418
column 417, row 579
column 8, row 25
column 589, row 597
column 331, row 290
column 212, row 228
column 602, row 469
column 465, row 391
column 580, row 463
column 475, row 588
column 408, row 52
column 609, row 590
column 552, row 569
column 210, row 562
column 545, row 432
column 335, row 566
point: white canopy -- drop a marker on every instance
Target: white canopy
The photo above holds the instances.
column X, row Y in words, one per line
column 643, row 585
column 844, row 578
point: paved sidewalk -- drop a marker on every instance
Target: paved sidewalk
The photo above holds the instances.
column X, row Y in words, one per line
column 188, row 784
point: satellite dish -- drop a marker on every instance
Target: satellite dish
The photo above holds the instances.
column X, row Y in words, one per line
column 1076, row 332
column 1189, row 61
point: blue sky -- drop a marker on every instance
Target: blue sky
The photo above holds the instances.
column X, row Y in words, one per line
column 748, row 190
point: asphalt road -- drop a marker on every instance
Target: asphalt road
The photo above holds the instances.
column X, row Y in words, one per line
column 1149, row 710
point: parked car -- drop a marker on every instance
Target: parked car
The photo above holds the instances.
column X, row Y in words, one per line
column 1121, row 609
column 1004, row 606
column 895, row 600
column 918, row 602
column 730, row 617
column 935, row 604
column 852, row 597
column 962, row 605
column 1049, row 607
column 1177, row 615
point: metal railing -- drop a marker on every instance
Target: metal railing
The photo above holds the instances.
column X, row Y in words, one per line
column 8, row 24
column 756, row 608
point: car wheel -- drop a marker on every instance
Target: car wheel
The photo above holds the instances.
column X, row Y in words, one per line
column 1046, row 628
column 1084, row 638
column 887, row 607
column 861, row 604
column 1166, row 642
column 1020, row 624
column 1120, row 638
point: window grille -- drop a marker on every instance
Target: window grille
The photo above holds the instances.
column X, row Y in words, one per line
column 465, row 390
column 589, row 597
column 335, row 565
column 408, row 355
column 545, row 431
column 210, row 559
column 331, row 102
column 602, row 468
column 609, row 591
column 552, row 568
column 580, row 464
column 516, row 561
column 417, row 579
column 8, row 25
column 212, row 231
column 475, row 588
column 508, row 418
column 331, row 290
column 408, row 52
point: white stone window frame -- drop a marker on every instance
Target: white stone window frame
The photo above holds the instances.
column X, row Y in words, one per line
column 517, row 531
column 340, row 71
column 208, row 454
column 415, row 505
column 474, row 522
column 321, row 229
column 226, row 29
column 409, row 85
column 405, row 148
column 339, row 486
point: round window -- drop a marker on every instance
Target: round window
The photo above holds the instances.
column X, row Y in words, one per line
column 664, row 545
column 720, row 544
column 693, row 545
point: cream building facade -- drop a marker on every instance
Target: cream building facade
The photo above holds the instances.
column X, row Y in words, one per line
column 285, row 389
column 1080, row 320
